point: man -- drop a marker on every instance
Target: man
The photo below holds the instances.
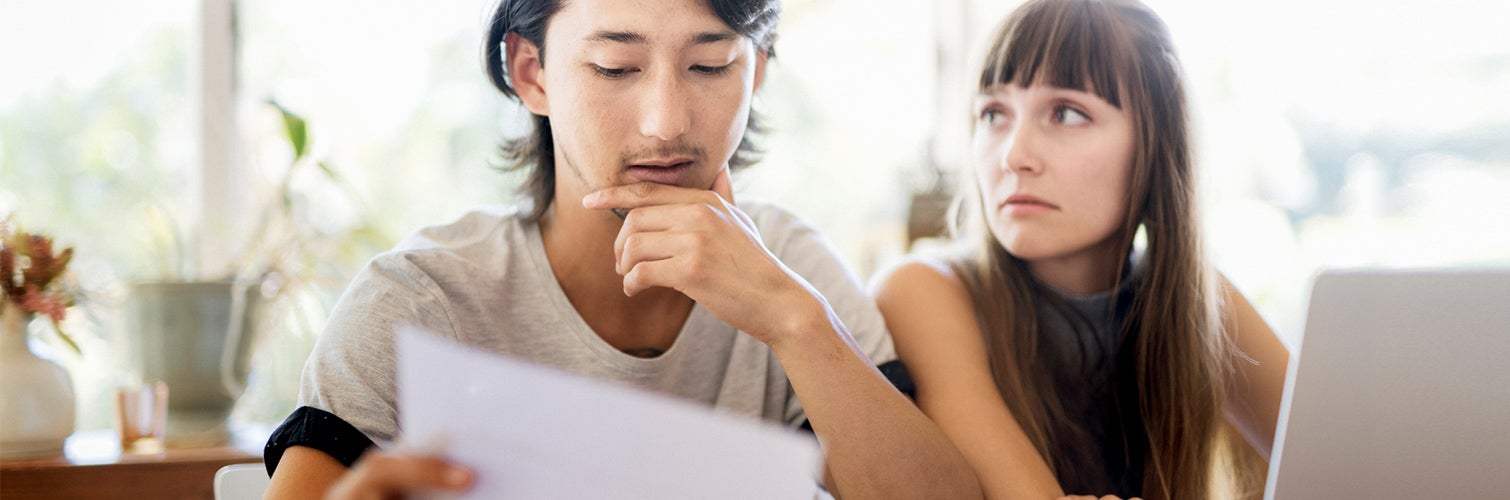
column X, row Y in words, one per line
column 633, row 264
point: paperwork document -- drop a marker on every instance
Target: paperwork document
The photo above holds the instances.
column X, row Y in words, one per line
column 532, row 432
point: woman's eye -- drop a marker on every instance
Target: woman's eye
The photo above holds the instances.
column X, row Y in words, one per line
column 712, row 70
column 1069, row 116
column 991, row 116
column 612, row 72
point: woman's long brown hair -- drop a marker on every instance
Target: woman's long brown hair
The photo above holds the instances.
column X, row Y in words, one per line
column 1171, row 362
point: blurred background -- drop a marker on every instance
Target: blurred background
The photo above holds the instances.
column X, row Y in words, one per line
column 1330, row 133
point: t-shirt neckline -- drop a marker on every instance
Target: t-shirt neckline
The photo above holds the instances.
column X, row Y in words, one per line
column 578, row 327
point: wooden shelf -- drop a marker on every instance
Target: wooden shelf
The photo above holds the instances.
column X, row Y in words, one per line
column 93, row 467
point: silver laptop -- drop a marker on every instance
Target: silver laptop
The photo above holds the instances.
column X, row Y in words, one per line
column 1401, row 389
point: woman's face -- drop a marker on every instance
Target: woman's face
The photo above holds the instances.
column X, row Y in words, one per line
column 1053, row 166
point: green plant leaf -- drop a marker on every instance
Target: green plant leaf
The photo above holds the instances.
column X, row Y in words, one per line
column 294, row 125
column 330, row 172
column 66, row 339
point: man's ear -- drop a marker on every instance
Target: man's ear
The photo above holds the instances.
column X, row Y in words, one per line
column 526, row 73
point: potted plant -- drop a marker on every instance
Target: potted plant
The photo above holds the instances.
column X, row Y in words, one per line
column 197, row 335
column 36, row 395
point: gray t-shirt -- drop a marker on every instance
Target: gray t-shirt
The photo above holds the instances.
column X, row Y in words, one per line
column 485, row 281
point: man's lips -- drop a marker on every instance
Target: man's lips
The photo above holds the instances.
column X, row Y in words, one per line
column 672, row 170
column 662, row 172
column 661, row 162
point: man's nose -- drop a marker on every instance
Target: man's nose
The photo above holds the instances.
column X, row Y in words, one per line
column 667, row 108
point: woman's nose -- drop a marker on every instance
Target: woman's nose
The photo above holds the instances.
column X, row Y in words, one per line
column 1019, row 151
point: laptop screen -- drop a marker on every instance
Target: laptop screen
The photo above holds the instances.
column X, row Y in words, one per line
column 1401, row 389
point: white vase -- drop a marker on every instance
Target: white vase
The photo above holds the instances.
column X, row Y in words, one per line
column 36, row 395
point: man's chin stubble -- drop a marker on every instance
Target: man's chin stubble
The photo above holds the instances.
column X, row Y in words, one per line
column 623, row 213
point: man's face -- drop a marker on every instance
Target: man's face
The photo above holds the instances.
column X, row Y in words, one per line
column 644, row 90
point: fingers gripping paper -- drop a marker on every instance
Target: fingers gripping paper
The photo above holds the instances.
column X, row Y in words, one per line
column 538, row 433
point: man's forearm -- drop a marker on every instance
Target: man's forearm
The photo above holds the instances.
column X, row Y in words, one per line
column 878, row 444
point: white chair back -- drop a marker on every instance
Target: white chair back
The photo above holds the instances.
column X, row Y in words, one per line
column 241, row 482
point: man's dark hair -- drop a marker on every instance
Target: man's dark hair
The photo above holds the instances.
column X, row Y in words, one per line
column 754, row 19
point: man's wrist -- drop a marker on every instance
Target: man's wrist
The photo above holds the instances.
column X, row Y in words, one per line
column 810, row 320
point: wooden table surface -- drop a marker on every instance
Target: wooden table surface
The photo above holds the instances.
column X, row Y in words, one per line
column 93, row 467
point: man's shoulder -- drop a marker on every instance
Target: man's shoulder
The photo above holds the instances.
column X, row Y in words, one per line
column 475, row 225
column 796, row 242
column 481, row 236
column 774, row 221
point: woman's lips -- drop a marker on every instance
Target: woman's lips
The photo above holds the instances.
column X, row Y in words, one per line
column 1024, row 204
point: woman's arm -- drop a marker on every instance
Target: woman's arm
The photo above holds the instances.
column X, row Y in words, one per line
column 932, row 321
column 1258, row 378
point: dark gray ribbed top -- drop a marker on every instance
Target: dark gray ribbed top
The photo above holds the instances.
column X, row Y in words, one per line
column 1080, row 337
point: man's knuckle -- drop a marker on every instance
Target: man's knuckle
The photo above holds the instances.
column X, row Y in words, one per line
column 708, row 213
column 698, row 270
column 637, row 278
column 699, row 240
column 633, row 243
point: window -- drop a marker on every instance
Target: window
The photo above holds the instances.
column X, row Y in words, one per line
column 95, row 138
column 1328, row 138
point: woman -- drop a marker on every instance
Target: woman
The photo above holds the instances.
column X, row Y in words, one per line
column 1063, row 352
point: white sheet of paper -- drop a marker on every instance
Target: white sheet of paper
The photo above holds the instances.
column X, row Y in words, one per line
column 532, row 432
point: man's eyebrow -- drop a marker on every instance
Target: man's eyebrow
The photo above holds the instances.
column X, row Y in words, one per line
column 630, row 37
column 713, row 37
column 617, row 36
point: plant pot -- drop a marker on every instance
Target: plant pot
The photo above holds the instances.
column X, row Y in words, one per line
column 36, row 395
column 196, row 337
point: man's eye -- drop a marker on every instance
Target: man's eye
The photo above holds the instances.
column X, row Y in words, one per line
column 712, row 70
column 1069, row 116
column 612, row 72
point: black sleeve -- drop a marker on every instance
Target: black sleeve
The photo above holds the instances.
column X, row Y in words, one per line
column 318, row 429
column 896, row 373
